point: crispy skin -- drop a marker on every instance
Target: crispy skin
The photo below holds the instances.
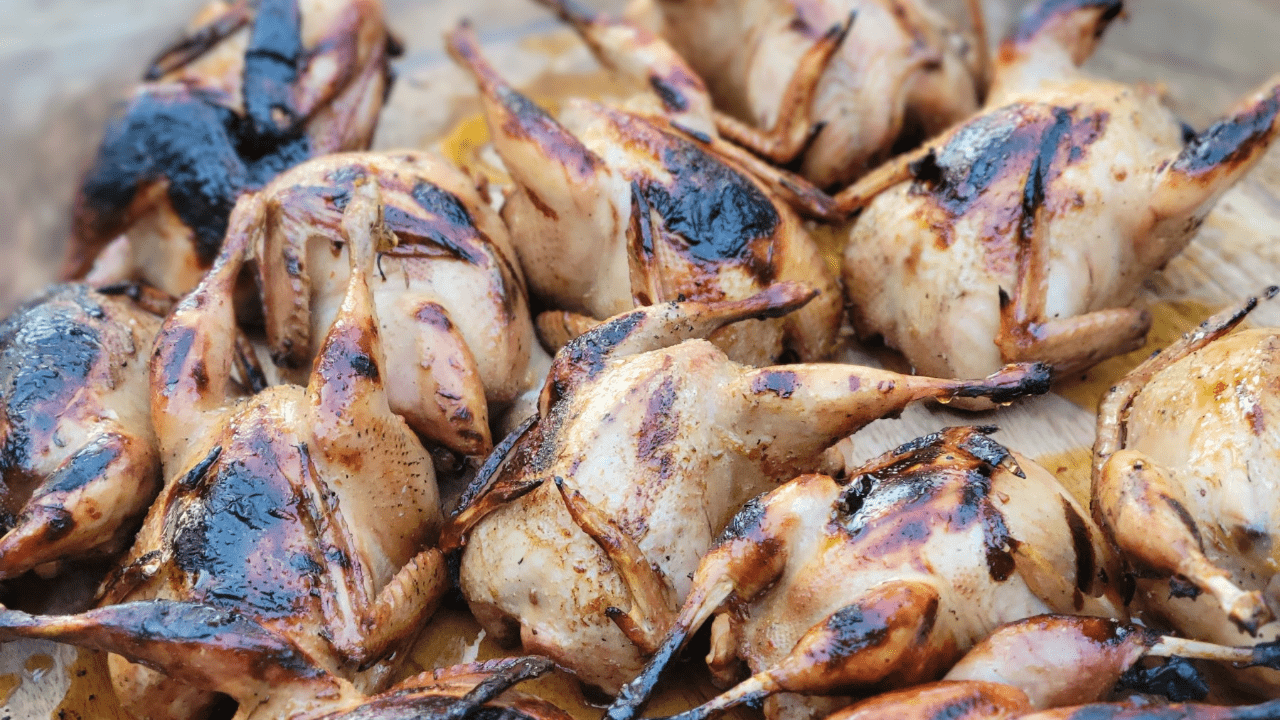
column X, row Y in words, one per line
column 78, row 458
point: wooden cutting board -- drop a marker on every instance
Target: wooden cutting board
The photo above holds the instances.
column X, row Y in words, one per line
column 1205, row 54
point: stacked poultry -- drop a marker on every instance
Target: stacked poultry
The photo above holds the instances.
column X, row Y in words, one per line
column 278, row 344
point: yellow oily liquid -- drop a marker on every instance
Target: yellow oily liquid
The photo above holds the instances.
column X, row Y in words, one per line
column 1169, row 321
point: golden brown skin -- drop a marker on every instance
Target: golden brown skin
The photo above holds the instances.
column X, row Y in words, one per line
column 583, row 528
column 1066, row 662
column 250, row 90
column 78, row 458
column 451, row 301
column 270, row 677
column 615, row 210
column 1025, row 233
column 903, row 70
column 826, row 588
column 304, row 508
column 1185, row 471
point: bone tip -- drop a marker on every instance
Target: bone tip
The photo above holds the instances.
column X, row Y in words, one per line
column 1249, row 613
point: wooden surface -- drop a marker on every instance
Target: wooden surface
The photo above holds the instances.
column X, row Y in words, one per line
column 63, row 63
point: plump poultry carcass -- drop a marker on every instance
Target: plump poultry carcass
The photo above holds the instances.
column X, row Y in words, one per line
column 903, row 71
column 614, row 210
column 1061, row 666
column 1186, row 467
column 305, row 509
column 251, row 89
column 1024, row 234
column 271, row 677
column 583, row 528
column 883, row 580
column 451, row 302
column 78, row 457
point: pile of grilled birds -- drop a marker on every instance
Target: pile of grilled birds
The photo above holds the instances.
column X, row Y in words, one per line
column 274, row 347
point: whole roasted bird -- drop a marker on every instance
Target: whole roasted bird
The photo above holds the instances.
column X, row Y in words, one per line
column 304, row 509
column 584, row 527
column 78, row 458
column 1025, row 233
column 614, row 210
column 450, row 296
column 1186, row 467
column 1061, row 666
column 251, row 89
column 883, row 580
column 271, row 677
column 902, row 72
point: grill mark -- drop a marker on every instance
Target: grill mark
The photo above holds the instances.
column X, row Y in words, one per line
column 779, row 382
column 1082, row 541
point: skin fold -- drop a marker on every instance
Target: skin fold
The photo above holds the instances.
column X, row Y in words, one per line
column 249, row 90
column 884, row 579
column 452, row 306
column 584, row 526
column 616, row 209
column 79, row 463
column 1025, row 232
column 1185, row 473
column 308, row 510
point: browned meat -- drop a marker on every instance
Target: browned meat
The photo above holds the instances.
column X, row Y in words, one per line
column 615, row 210
column 884, row 580
column 584, row 527
column 251, row 89
column 78, row 457
column 271, row 677
column 1061, row 666
column 1025, row 233
column 450, row 297
column 1185, row 471
column 305, row 509
column 902, row 70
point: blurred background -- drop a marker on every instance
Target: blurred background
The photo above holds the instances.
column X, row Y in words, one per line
column 65, row 64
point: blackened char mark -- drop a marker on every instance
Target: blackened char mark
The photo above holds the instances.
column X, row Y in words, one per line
column 1175, row 678
column 87, row 465
column 670, row 95
column 488, row 471
column 587, row 352
column 48, row 350
column 720, row 213
column 659, row 427
column 534, row 124
column 1040, row 14
column 1019, row 140
column 187, row 139
column 236, row 534
column 1229, row 140
column 271, row 65
column 778, row 382
column 746, row 522
column 448, row 231
column 1082, row 541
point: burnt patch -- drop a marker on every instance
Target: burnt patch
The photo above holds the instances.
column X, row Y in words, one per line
column 234, row 534
column 198, row 148
column 534, row 124
column 588, row 351
column 659, row 427
column 1082, row 542
column 746, row 522
column 48, row 353
column 271, row 64
column 1028, row 141
column 435, row 315
column 88, row 465
column 1175, row 678
column 670, row 94
column 1229, row 141
column 779, row 382
column 718, row 213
